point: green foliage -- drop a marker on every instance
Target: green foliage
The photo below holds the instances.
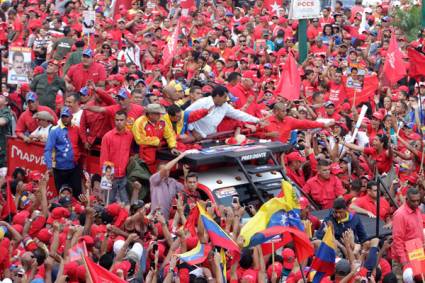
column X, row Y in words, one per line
column 408, row 21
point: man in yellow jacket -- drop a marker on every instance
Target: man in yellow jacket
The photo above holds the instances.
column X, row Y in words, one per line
column 150, row 131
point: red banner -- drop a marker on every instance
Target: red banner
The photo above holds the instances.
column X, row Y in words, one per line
column 30, row 156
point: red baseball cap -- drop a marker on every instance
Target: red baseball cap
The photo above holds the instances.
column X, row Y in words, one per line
column 295, row 156
column 288, row 258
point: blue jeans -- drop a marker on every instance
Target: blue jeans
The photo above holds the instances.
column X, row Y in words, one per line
column 119, row 191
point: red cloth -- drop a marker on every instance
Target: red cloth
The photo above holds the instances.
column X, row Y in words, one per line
column 26, row 122
column 394, row 66
column 417, row 63
column 324, row 192
column 290, row 81
column 288, row 124
column 99, row 274
column 242, row 94
column 407, row 225
column 366, row 202
column 116, row 148
column 80, row 75
column 383, row 161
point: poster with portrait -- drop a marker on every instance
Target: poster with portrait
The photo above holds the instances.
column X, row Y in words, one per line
column 107, row 175
column 19, row 65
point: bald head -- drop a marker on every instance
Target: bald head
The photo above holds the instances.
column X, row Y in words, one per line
column 279, row 110
column 170, row 93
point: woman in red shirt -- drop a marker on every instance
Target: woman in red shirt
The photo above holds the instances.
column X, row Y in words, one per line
column 380, row 151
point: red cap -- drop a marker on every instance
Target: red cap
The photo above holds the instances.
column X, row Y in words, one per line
column 222, row 38
column 44, row 235
column 288, row 258
column 124, row 266
column 378, row 115
column 295, row 156
column 57, row 214
column 250, row 75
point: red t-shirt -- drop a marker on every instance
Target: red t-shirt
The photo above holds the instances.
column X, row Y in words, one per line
column 337, row 93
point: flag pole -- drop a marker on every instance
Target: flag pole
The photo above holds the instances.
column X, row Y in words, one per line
column 273, row 256
column 90, row 280
column 300, row 265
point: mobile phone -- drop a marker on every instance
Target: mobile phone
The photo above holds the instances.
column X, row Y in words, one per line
column 208, row 204
column 235, row 200
column 155, row 247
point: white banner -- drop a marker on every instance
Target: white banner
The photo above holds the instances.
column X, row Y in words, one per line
column 304, row 9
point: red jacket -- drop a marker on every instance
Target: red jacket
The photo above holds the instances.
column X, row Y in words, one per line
column 26, row 123
column 116, row 148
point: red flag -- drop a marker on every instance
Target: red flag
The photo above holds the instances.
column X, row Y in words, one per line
column 302, row 246
column 78, row 251
column 290, row 82
column 9, row 206
column 417, row 63
column 394, row 66
column 192, row 221
column 370, row 86
column 98, row 274
column 171, row 48
column 274, row 6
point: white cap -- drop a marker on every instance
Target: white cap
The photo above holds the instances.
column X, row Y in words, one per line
column 118, row 245
column 408, row 275
column 137, row 250
column 7, row 280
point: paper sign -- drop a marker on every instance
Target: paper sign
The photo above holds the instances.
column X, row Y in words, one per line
column 304, row 9
column 89, row 19
column 415, row 250
column 19, row 65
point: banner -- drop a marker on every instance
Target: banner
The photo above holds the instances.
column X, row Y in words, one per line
column 30, row 156
column 19, row 65
column 304, row 9
column 89, row 18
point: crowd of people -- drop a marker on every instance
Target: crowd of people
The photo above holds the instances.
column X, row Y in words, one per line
column 156, row 76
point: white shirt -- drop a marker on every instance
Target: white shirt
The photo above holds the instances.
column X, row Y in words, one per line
column 76, row 117
column 41, row 133
column 208, row 125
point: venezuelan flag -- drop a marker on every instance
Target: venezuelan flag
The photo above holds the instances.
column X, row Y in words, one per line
column 197, row 255
column 217, row 235
column 324, row 261
column 275, row 212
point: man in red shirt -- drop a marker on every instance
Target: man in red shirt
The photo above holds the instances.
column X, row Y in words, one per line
column 26, row 123
column 337, row 92
column 407, row 226
column 324, row 188
column 367, row 203
column 281, row 125
column 293, row 170
column 93, row 126
column 243, row 89
column 115, row 148
column 133, row 110
column 78, row 75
